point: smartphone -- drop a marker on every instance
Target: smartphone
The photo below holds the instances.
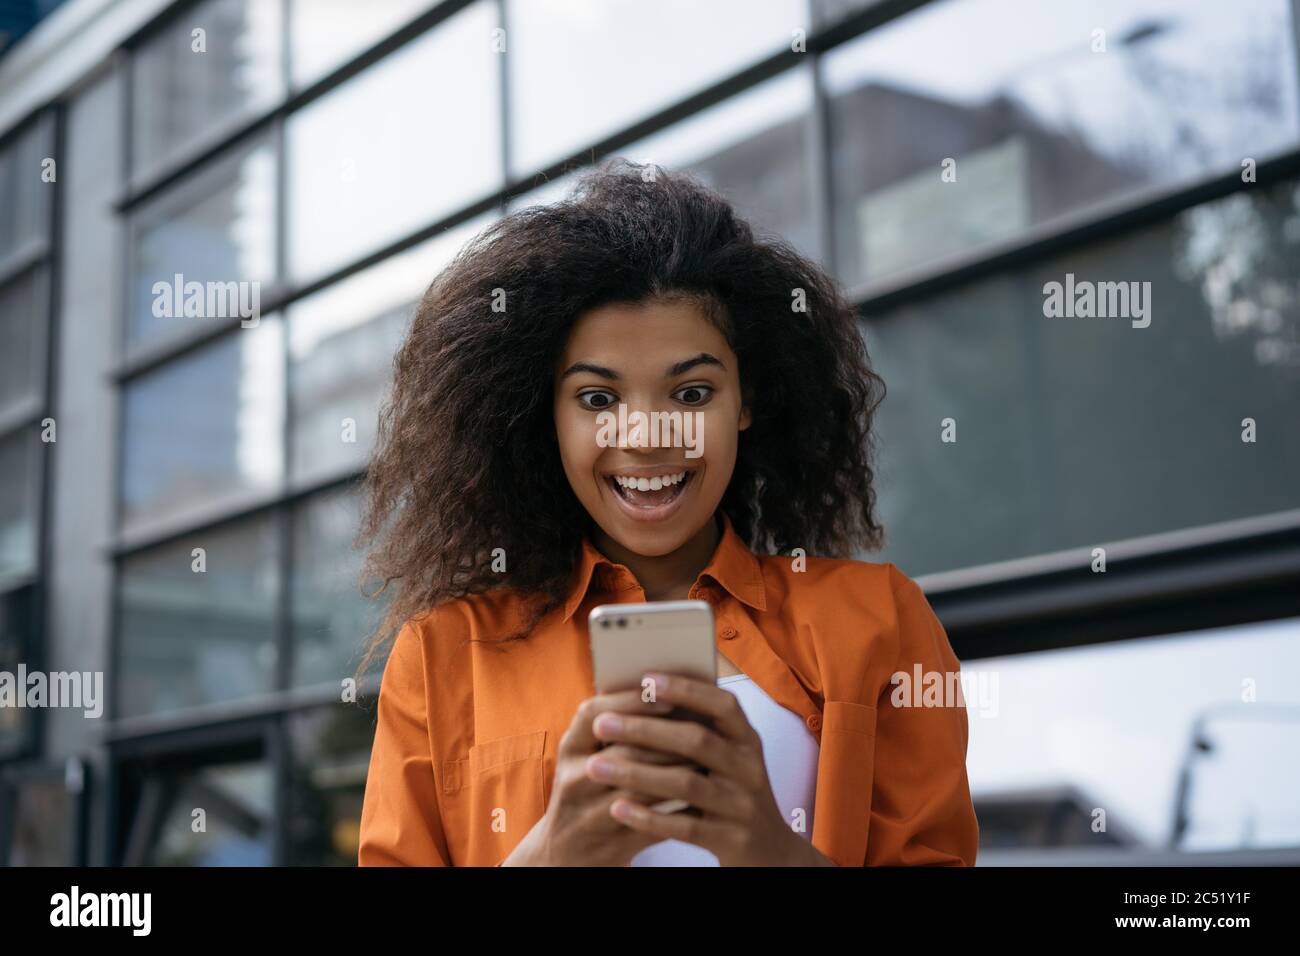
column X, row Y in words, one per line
column 674, row 637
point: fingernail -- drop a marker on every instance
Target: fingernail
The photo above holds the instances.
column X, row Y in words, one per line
column 610, row 723
column 626, row 810
column 601, row 769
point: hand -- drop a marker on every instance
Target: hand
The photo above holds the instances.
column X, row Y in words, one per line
column 577, row 829
column 734, row 815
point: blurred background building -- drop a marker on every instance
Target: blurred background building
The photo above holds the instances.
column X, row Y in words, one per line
column 338, row 152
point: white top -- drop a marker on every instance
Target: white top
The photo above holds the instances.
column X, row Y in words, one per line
column 790, row 755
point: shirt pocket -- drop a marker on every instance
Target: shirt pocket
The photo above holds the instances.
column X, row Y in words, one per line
column 495, row 795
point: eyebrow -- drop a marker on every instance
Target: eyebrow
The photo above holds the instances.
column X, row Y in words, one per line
column 704, row 358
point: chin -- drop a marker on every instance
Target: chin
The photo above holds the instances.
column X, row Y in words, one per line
column 651, row 544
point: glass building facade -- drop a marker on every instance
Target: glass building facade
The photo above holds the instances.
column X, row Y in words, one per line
column 179, row 494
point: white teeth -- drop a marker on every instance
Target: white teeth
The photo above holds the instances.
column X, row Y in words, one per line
column 650, row 484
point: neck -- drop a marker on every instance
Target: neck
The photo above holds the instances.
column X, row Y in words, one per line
column 666, row 577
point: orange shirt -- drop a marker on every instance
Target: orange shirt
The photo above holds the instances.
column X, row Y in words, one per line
column 466, row 739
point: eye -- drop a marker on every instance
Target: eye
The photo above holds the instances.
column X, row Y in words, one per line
column 597, row 400
column 694, row 394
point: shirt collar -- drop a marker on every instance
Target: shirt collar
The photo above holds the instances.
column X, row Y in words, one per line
column 733, row 565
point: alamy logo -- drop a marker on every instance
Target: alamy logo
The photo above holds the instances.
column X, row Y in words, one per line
column 922, row 688
column 1098, row 300
column 56, row 689
column 656, row 430
column 208, row 300
column 74, row 908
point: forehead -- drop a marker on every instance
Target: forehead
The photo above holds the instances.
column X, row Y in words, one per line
column 636, row 334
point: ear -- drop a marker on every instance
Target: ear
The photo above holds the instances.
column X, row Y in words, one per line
column 746, row 415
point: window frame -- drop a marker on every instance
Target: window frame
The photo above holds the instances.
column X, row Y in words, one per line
column 986, row 610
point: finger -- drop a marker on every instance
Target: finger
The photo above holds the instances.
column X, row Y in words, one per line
column 706, row 699
column 579, row 739
column 705, row 793
column 686, row 738
column 697, row 830
column 642, row 754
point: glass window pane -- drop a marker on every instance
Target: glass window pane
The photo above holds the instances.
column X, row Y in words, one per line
column 327, row 33
column 199, row 628
column 331, row 618
column 341, row 346
column 217, row 227
column 547, row 191
column 361, row 176
column 216, row 62
column 1054, row 735
column 753, row 149
column 237, row 800
column 24, row 319
column 24, row 194
column 1075, row 431
column 44, row 824
column 17, row 625
column 331, row 755
column 582, row 69
column 1039, row 120
column 19, row 503
column 15, row 722
column 206, row 429
column 825, row 13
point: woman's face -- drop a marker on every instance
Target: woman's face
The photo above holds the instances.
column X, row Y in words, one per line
column 650, row 474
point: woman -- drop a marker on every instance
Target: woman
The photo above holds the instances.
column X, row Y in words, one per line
column 504, row 509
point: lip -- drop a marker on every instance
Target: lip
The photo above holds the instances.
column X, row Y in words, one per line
column 659, row 512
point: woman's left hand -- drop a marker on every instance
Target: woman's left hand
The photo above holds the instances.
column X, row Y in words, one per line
column 737, row 818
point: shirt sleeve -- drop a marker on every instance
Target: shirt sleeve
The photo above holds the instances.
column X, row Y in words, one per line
column 921, row 808
column 400, row 821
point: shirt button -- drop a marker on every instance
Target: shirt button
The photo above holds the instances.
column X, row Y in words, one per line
column 728, row 633
column 814, row 722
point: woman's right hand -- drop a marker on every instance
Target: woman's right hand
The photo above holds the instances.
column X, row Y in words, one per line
column 577, row 829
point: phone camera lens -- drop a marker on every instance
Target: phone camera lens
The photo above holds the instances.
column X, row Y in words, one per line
column 622, row 622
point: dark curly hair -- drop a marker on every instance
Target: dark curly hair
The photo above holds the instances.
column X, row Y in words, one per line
column 471, row 403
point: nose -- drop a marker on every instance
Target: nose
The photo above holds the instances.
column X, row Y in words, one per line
column 643, row 427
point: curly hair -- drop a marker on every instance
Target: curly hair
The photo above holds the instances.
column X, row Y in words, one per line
column 470, row 407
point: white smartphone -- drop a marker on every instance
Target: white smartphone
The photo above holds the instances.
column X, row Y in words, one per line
column 675, row 637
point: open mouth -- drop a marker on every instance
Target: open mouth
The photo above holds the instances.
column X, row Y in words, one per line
column 650, row 495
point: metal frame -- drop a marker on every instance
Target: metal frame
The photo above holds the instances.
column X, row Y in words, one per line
column 212, row 744
column 40, row 258
column 209, row 173
column 1244, row 575
column 36, row 257
column 1106, row 219
column 968, row 608
column 513, row 186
